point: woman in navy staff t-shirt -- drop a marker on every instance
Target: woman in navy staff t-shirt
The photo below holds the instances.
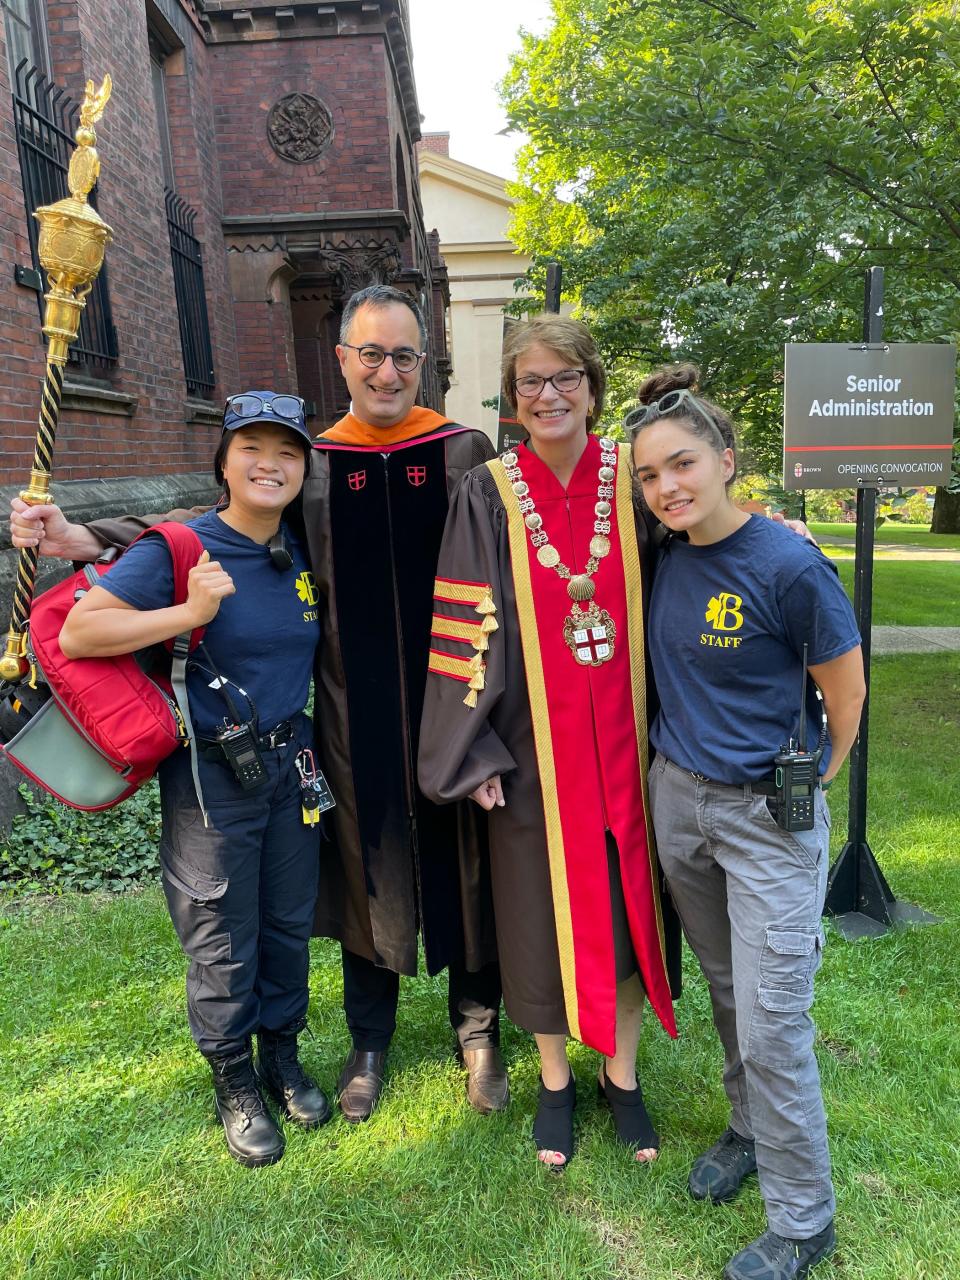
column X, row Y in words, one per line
column 735, row 600
column 241, row 891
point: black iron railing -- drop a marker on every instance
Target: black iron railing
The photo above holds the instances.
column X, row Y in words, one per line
column 191, row 298
column 46, row 119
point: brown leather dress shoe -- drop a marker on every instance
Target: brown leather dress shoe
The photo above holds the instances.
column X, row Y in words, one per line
column 361, row 1083
column 487, row 1086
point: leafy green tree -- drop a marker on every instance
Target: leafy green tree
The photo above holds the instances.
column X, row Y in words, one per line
column 715, row 175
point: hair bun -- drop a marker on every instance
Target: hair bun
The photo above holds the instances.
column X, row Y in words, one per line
column 674, row 377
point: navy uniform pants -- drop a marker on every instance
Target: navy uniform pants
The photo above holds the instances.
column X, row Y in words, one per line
column 241, row 895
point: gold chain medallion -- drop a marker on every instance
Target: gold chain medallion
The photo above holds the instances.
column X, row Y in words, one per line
column 590, row 635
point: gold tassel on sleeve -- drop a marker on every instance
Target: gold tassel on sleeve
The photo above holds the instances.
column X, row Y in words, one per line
column 476, row 681
column 476, row 634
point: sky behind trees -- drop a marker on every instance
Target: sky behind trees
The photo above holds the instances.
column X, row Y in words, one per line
column 725, row 178
column 460, row 52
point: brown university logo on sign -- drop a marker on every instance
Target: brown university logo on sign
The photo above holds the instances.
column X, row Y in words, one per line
column 416, row 476
column 356, row 480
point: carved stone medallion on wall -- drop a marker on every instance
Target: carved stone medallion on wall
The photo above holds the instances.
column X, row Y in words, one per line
column 299, row 128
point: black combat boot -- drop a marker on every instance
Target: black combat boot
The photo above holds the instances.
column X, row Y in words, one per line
column 252, row 1134
column 279, row 1070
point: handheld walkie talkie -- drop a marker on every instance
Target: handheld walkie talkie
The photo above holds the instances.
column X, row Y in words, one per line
column 795, row 771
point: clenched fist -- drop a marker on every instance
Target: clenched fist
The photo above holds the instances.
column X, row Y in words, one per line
column 207, row 585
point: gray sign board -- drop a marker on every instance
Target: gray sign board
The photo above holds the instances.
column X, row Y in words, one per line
column 878, row 414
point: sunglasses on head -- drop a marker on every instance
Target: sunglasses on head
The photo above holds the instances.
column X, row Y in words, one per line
column 249, row 406
column 644, row 414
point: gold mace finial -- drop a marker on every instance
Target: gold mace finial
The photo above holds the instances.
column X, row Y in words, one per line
column 73, row 236
column 85, row 163
column 94, row 101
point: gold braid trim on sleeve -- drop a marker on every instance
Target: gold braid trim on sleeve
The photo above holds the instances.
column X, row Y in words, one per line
column 468, row 670
column 480, row 595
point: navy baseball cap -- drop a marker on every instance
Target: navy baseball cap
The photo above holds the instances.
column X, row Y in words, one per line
column 265, row 406
column 248, row 407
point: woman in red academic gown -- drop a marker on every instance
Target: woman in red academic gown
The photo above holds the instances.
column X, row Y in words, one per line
column 535, row 707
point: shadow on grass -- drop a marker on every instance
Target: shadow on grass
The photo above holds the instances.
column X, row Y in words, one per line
column 114, row 1166
column 118, row 1168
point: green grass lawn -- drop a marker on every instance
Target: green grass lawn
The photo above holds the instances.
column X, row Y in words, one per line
column 909, row 593
column 906, row 534
column 114, row 1167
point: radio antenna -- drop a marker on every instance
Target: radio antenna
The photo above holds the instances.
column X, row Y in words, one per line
column 802, row 743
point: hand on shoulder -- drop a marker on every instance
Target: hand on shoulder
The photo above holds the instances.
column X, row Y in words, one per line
column 46, row 527
column 795, row 526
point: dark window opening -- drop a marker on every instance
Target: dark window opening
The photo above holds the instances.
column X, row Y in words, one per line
column 403, row 201
column 158, row 80
column 186, row 253
column 26, row 35
column 191, row 297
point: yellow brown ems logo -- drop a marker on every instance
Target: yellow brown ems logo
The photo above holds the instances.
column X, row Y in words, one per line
column 309, row 593
column 724, row 615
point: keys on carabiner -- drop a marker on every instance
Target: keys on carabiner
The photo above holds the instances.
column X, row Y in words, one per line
column 309, row 799
column 315, row 795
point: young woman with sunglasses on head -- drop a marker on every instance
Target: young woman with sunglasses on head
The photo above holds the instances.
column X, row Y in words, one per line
column 240, row 879
column 737, row 602
column 535, row 706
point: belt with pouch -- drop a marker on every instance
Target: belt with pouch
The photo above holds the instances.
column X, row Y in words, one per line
column 279, row 736
column 765, row 787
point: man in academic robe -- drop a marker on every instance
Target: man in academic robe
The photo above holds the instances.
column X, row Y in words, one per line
column 374, row 506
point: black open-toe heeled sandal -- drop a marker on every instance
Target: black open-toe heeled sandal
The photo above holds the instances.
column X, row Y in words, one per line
column 630, row 1119
column 553, row 1125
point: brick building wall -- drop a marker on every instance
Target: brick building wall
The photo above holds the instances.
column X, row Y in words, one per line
column 283, row 242
column 438, row 143
column 350, row 74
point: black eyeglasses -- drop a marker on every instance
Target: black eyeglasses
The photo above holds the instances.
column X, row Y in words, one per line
column 405, row 359
column 647, row 413
column 531, row 384
column 247, row 406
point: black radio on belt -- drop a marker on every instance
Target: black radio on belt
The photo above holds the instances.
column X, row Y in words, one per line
column 241, row 747
column 795, row 777
column 237, row 737
column 795, row 770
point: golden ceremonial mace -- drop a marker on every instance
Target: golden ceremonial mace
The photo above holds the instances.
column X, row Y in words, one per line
column 73, row 240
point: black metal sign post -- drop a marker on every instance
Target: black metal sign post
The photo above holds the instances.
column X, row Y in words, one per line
column 554, row 283
column 509, row 430
column 858, row 897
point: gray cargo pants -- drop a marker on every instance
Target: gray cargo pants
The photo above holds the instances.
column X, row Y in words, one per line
column 750, row 897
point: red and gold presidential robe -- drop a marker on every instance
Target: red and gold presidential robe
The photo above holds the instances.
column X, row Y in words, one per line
column 506, row 696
